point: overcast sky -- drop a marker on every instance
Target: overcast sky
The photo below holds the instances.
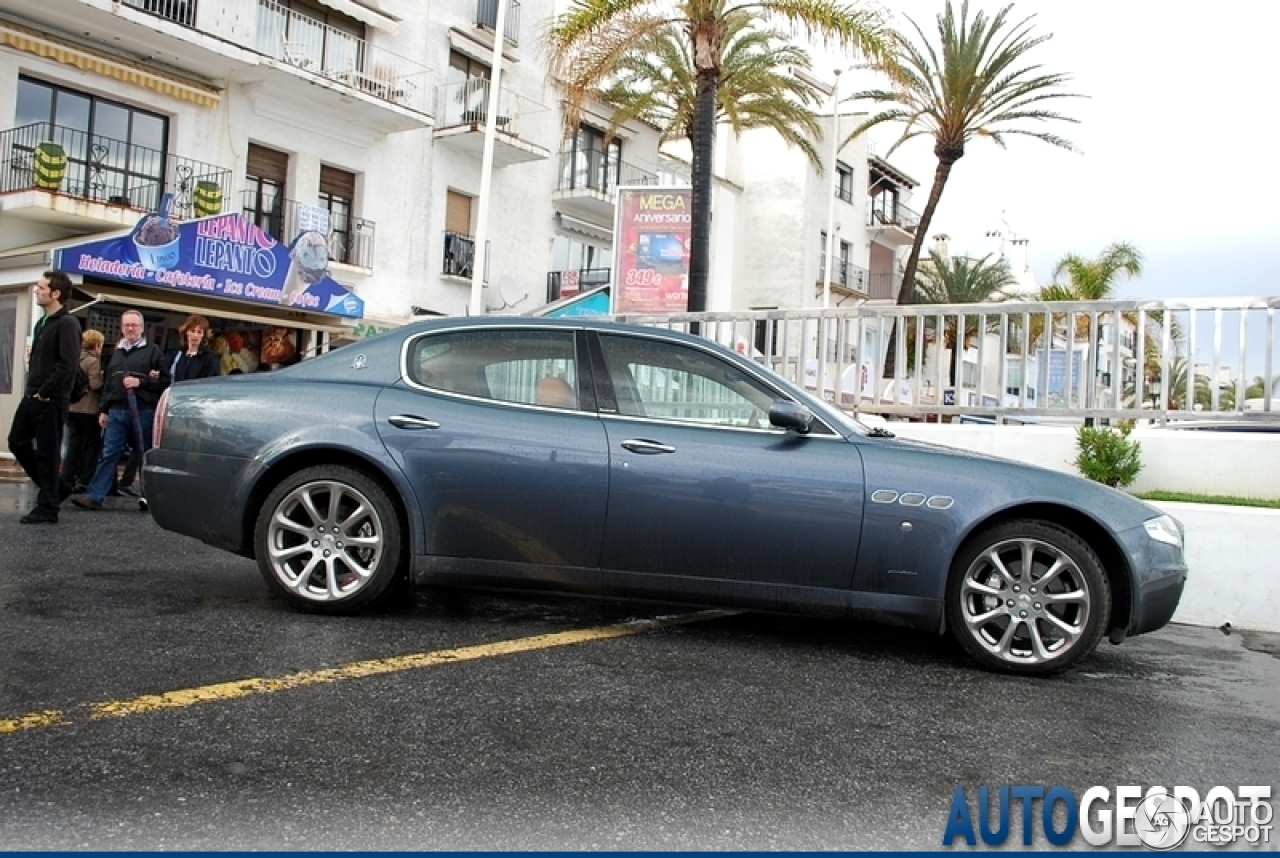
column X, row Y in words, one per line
column 1175, row 152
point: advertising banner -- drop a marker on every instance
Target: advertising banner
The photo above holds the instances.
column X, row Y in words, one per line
column 225, row 256
column 651, row 258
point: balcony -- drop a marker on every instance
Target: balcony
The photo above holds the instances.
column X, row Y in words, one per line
column 462, row 109
column 459, row 255
column 350, row 239
column 846, row 278
column 895, row 223
column 588, row 187
column 313, row 47
column 884, row 286
column 487, row 18
column 179, row 11
column 58, row 175
column 563, row 284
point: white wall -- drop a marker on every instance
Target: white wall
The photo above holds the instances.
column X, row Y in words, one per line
column 1244, row 464
column 1235, row 574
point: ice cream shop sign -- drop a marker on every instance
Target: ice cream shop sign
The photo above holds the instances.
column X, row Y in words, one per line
column 226, row 256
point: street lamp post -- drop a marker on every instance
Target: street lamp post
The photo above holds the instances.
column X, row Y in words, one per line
column 828, row 260
column 481, row 260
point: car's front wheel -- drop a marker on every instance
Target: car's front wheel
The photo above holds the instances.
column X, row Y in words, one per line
column 328, row 539
column 1028, row 597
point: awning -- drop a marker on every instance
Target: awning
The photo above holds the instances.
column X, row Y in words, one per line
column 220, row 309
column 582, row 227
column 50, row 47
column 366, row 13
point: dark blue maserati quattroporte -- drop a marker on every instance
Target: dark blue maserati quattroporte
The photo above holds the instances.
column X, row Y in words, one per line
column 630, row 462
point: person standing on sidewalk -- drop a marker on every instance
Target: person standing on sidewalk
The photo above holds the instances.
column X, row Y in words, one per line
column 84, row 438
column 136, row 369
column 35, row 438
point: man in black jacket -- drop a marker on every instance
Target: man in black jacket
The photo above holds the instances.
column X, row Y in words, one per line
column 136, row 368
column 35, row 438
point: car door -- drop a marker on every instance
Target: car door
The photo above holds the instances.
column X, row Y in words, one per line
column 500, row 474
column 701, row 485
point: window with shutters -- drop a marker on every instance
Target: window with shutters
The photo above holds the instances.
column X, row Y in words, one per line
column 459, row 246
column 265, row 178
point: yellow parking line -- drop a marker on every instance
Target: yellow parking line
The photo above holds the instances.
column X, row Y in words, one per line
column 356, row 670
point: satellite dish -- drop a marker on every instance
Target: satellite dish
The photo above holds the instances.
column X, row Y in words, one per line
column 503, row 294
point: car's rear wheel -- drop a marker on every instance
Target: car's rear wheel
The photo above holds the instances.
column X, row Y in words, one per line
column 1028, row 597
column 328, row 539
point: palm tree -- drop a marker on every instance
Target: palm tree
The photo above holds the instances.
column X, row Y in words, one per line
column 757, row 89
column 974, row 84
column 1093, row 279
column 589, row 41
column 959, row 280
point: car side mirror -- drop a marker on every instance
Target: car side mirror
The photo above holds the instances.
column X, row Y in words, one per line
column 789, row 415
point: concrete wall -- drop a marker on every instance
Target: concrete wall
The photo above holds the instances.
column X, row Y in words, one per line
column 1234, row 557
column 1243, row 464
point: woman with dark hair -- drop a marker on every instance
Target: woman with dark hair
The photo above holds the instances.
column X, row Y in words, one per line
column 196, row 359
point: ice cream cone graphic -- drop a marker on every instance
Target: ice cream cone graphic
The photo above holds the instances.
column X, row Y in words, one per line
column 308, row 263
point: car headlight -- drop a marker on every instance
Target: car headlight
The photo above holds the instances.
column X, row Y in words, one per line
column 1163, row 528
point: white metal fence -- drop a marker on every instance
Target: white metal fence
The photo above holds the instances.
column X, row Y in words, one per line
column 1019, row 361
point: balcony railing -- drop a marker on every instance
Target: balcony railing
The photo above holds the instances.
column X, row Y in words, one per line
column 487, row 16
column 350, row 239
column 459, row 254
column 179, row 11
column 886, row 211
column 562, row 284
column 588, row 169
column 1025, row 361
column 466, row 102
column 844, row 274
column 884, row 286
column 313, row 46
column 102, row 169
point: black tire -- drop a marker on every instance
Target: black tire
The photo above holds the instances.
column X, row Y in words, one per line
column 328, row 539
column 1030, row 621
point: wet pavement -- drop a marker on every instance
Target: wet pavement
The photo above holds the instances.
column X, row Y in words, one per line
column 154, row 695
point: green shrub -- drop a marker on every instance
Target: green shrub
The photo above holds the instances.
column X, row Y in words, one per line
column 1106, row 455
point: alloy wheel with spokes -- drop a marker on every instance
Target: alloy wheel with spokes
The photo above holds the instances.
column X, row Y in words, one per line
column 328, row 539
column 1028, row 597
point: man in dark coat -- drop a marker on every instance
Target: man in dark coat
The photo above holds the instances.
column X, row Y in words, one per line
column 35, row 438
column 136, row 368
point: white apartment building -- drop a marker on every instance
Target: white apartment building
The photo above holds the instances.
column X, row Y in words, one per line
column 365, row 120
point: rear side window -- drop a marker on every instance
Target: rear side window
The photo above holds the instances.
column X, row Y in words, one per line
column 525, row 367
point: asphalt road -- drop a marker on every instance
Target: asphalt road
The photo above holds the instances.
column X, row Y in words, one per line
column 154, row 696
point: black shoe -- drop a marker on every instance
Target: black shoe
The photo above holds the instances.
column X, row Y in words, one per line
column 115, row 493
column 65, row 490
column 86, row 502
column 129, row 491
column 39, row 516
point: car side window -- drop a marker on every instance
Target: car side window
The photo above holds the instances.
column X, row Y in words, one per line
column 670, row 381
column 507, row 365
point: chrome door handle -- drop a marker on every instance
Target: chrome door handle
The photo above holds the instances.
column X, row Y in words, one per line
column 639, row 445
column 409, row 421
